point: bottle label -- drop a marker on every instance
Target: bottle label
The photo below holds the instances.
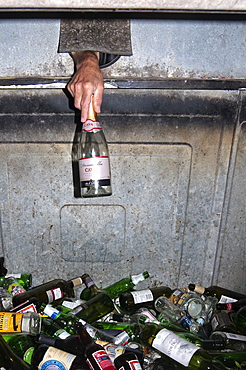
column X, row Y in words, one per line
column 89, row 282
column 51, row 311
column 15, row 289
column 174, row 347
column 225, row 299
column 28, row 308
column 102, row 359
column 61, row 333
column 142, row 296
column 94, row 169
column 137, row 278
column 54, row 294
column 10, row 322
column 111, row 349
column 56, row 359
column 134, row 365
column 90, row 125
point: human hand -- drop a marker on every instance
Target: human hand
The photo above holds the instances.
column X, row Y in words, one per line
column 86, row 81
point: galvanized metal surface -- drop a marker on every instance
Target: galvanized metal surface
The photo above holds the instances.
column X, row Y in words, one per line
column 225, row 5
column 162, row 48
column 178, row 192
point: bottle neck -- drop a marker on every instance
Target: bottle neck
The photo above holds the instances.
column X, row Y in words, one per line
column 92, row 115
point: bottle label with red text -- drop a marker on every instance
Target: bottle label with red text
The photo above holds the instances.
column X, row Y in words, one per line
column 54, row 294
column 90, row 125
column 102, row 359
column 94, row 170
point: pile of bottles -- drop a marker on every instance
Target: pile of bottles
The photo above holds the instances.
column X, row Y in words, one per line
column 119, row 327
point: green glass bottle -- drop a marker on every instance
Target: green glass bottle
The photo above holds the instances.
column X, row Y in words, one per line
column 50, row 291
column 132, row 301
column 63, row 320
column 240, row 320
column 94, row 309
column 9, row 360
column 91, row 289
column 125, row 285
column 49, row 327
column 175, row 347
column 24, row 279
column 23, row 346
column 230, row 359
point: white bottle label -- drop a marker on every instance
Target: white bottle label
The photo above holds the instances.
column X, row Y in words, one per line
column 56, row 359
column 137, row 278
column 51, row 311
column 54, row 294
column 90, row 125
column 93, row 168
column 140, row 296
column 174, row 347
column 225, row 299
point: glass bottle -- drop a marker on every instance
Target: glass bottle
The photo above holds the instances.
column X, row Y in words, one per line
column 221, row 321
column 90, row 290
column 5, row 300
column 9, row 360
column 95, row 308
column 222, row 294
column 31, row 305
column 132, row 301
column 231, row 341
column 51, row 328
column 176, row 348
column 23, row 346
column 96, row 357
column 240, row 320
column 125, row 285
column 190, row 302
column 12, row 286
column 50, row 291
column 48, row 357
column 93, row 158
column 24, row 279
column 114, row 350
column 71, row 344
column 20, row 323
column 127, row 361
column 231, row 306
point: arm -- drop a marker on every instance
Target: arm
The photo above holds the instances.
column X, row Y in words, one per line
column 87, row 80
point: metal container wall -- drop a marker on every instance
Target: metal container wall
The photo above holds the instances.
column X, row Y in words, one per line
column 177, row 160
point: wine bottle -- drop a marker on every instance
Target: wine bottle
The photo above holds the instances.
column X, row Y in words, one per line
column 48, row 357
column 125, row 285
column 230, row 341
column 31, row 305
column 90, row 290
column 71, row 344
column 51, row 328
column 114, row 350
column 20, row 323
column 175, row 347
column 93, row 157
column 12, row 286
column 50, row 291
column 9, row 360
column 23, row 346
column 3, row 270
column 24, row 279
column 221, row 321
column 127, row 361
column 132, row 301
column 231, row 306
column 95, row 308
column 240, row 320
column 96, row 357
column 222, row 294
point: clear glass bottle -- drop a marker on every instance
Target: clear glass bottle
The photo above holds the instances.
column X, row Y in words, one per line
column 93, row 158
column 20, row 323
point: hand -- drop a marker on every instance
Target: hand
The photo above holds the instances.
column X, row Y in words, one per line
column 87, row 80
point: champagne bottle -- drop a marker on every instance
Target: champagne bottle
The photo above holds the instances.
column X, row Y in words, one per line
column 96, row 356
column 93, row 155
column 240, row 320
column 132, row 301
column 127, row 361
column 222, row 294
column 232, row 306
column 23, row 346
column 50, row 291
column 48, row 357
column 90, row 290
column 20, row 323
column 175, row 347
column 9, row 360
